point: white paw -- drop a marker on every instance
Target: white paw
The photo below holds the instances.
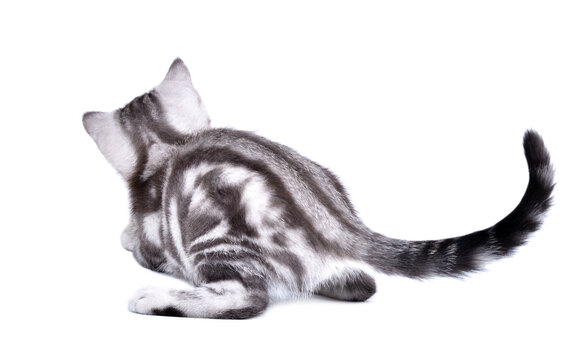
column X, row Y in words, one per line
column 150, row 299
column 129, row 237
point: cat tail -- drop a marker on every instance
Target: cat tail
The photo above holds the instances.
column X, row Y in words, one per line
column 458, row 256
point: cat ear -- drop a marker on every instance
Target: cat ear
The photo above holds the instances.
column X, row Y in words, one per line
column 178, row 72
column 182, row 104
column 111, row 139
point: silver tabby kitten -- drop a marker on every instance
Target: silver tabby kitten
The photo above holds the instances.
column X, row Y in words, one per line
column 245, row 220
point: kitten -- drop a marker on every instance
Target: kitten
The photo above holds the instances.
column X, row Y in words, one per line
column 245, row 220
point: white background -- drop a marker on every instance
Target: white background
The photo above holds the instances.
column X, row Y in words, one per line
column 419, row 107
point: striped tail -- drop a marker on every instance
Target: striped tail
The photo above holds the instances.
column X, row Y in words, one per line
column 460, row 255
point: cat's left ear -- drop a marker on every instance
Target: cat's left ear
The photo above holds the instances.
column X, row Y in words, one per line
column 182, row 104
column 111, row 138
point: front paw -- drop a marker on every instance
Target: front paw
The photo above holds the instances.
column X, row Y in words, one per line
column 153, row 300
column 129, row 237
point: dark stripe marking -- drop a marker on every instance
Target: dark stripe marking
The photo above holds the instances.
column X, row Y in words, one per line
column 293, row 217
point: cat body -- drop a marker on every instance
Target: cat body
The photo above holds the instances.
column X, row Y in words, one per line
column 246, row 221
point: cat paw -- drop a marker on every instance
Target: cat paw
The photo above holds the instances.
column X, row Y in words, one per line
column 129, row 237
column 153, row 300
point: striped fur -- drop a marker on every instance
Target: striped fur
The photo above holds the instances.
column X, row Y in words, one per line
column 246, row 221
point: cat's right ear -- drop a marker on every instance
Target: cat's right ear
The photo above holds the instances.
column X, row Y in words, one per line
column 178, row 71
column 183, row 106
column 111, row 139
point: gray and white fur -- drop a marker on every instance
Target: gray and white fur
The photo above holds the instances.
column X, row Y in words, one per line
column 246, row 221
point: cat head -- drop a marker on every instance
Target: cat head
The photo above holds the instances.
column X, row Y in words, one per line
column 133, row 137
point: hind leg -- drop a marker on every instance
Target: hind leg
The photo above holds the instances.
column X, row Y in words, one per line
column 224, row 294
column 219, row 300
column 354, row 285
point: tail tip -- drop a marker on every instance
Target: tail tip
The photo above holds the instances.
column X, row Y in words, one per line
column 536, row 153
column 541, row 170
